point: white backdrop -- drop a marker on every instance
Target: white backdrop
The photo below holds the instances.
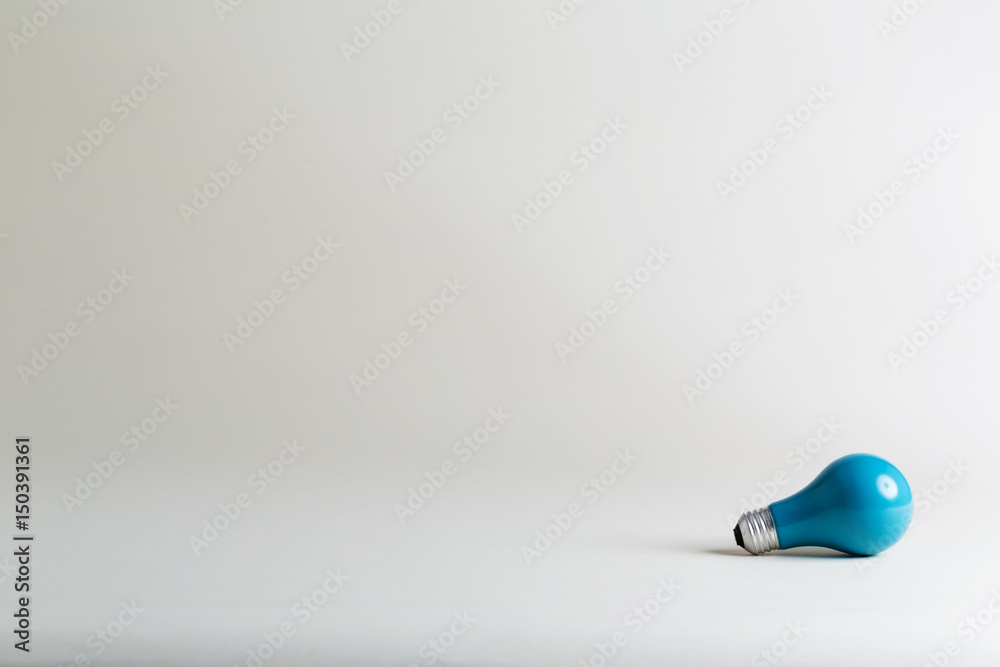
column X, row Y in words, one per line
column 313, row 329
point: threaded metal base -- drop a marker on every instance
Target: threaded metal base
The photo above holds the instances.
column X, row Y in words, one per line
column 756, row 532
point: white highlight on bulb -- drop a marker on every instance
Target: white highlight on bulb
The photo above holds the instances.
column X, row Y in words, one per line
column 887, row 486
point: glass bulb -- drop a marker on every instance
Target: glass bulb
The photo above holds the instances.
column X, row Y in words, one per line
column 859, row 504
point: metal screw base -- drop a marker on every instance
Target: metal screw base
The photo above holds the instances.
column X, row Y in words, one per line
column 756, row 533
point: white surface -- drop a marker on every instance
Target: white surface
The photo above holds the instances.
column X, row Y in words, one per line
column 670, row 515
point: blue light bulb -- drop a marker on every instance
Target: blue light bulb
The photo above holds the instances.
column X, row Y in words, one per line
column 860, row 504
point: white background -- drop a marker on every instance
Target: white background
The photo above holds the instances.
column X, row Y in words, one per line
column 669, row 516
